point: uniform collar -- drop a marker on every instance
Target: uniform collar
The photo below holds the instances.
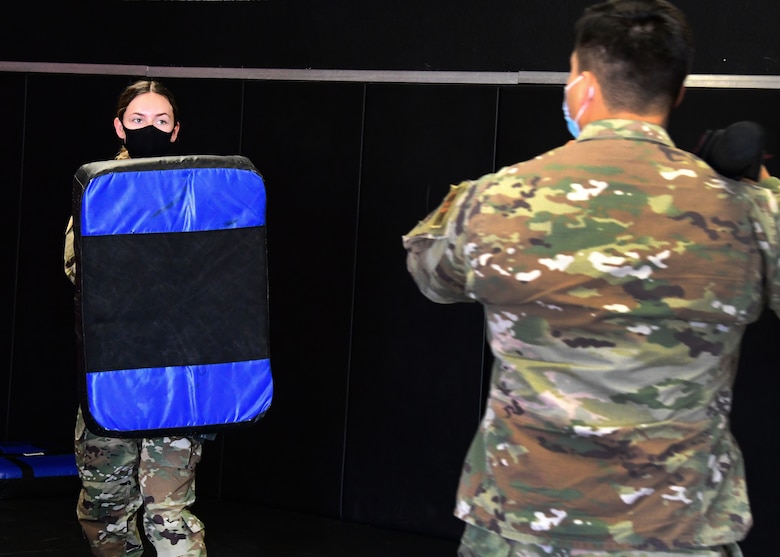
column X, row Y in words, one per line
column 625, row 129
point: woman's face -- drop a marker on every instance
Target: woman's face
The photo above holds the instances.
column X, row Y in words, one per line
column 148, row 109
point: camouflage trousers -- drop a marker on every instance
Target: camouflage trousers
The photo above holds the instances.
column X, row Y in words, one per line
column 478, row 542
column 120, row 476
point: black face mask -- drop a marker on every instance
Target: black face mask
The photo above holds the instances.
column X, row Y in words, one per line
column 148, row 141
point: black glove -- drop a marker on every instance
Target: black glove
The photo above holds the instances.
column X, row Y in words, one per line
column 735, row 152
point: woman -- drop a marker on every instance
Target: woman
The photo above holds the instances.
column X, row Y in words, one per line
column 120, row 476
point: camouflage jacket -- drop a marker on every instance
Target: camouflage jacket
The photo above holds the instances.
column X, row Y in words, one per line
column 69, row 255
column 618, row 274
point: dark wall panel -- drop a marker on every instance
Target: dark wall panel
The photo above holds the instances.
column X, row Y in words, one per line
column 500, row 35
column 305, row 140
column 12, row 93
column 378, row 390
column 210, row 111
column 67, row 123
column 417, row 367
column 530, row 122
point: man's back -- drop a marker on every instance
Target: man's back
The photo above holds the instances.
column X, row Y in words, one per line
column 617, row 274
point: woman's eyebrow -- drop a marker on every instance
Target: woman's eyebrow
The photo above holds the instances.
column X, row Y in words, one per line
column 137, row 113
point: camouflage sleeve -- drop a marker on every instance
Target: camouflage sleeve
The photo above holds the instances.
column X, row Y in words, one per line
column 70, row 254
column 435, row 250
column 770, row 236
column 772, row 184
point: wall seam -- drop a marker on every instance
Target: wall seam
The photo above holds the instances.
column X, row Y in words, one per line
column 352, row 304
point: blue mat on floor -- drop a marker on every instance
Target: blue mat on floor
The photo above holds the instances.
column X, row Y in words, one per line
column 28, row 469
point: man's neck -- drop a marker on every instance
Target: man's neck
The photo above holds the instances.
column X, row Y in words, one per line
column 657, row 119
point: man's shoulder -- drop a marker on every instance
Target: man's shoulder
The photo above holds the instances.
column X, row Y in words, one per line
column 530, row 166
column 562, row 160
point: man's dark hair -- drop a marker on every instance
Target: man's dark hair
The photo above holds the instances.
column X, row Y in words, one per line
column 640, row 50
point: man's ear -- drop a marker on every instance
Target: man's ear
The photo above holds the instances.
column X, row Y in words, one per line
column 120, row 131
column 590, row 93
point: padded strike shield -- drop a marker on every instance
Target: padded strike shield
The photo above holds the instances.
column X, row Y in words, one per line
column 171, row 300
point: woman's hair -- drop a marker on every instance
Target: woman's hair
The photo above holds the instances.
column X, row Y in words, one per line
column 139, row 88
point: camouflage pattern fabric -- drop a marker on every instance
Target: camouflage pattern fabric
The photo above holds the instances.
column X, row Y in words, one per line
column 69, row 253
column 120, row 476
column 618, row 274
column 478, row 542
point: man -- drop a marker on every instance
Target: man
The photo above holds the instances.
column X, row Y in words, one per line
column 618, row 274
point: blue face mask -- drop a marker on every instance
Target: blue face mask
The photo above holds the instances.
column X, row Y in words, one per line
column 573, row 123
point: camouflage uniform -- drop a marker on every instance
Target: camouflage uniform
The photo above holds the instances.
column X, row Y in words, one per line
column 119, row 476
column 478, row 542
column 618, row 274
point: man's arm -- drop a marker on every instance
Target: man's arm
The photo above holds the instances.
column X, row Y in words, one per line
column 770, row 234
column 435, row 250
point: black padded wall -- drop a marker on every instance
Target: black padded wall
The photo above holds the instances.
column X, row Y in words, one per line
column 64, row 123
column 378, row 391
column 12, row 91
column 305, row 138
column 530, row 121
column 737, row 37
column 210, row 111
column 416, row 367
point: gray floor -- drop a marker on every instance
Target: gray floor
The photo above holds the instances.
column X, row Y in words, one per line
column 45, row 525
